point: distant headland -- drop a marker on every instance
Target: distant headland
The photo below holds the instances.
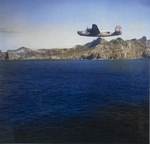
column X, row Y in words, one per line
column 98, row 49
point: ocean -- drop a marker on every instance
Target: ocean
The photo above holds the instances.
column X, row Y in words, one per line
column 74, row 101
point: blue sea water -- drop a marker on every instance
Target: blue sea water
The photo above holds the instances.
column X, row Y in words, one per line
column 103, row 101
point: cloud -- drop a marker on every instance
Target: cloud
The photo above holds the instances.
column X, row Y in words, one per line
column 2, row 30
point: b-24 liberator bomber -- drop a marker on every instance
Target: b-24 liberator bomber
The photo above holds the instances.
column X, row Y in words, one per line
column 95, row 32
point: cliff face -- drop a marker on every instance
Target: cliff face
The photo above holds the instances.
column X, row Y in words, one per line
column 3, row 55
column 97, row 49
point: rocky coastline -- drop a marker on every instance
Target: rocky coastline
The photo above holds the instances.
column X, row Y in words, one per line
column 98, row 49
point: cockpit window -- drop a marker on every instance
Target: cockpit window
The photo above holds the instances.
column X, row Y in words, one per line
column 108, row 32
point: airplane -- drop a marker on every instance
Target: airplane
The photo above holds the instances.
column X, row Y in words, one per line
column 94, row 32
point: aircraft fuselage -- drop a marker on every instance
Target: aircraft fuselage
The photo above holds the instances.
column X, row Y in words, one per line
column 94, row 32
column 101, row 34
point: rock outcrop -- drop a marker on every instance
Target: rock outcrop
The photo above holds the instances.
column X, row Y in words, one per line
column 3, row 55
column 97, row 49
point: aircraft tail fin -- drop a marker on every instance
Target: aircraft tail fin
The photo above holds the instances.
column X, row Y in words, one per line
column 118, row 29
column 95, row 30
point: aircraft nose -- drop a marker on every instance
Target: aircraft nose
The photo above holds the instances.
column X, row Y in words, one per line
column 79, row 32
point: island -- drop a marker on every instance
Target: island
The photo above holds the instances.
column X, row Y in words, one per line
column 98, row 49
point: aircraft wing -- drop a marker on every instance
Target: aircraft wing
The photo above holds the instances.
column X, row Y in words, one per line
column 94, row 31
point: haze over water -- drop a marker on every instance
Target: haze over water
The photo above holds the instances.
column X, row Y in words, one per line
column 74, row 101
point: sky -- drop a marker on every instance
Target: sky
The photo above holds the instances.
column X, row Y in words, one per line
column 39, row 24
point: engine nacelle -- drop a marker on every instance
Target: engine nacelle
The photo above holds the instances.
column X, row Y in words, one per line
column 118, row 29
